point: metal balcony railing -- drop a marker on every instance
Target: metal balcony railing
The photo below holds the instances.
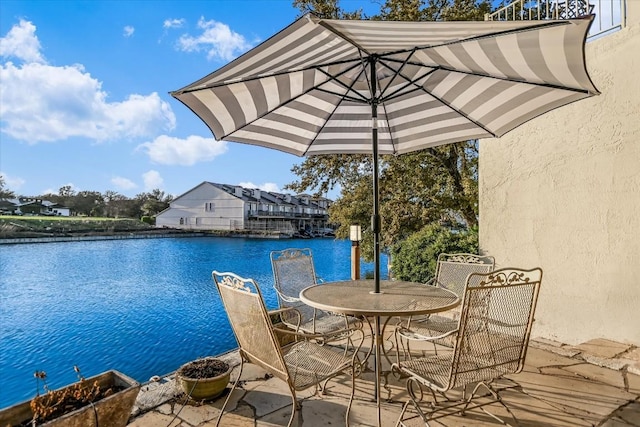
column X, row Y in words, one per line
column 609, row 14
column 293, row 215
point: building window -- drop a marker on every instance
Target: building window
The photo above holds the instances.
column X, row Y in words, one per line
column 210, row 207
column 181, row 221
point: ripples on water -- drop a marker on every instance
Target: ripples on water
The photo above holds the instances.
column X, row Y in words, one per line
column 142, row 307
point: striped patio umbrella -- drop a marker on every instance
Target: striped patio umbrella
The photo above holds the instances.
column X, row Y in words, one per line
column 383, row 87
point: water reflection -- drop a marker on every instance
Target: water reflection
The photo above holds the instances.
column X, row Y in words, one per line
column 142, row 307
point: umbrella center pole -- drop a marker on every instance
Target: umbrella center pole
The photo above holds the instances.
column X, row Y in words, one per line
column 375, row 218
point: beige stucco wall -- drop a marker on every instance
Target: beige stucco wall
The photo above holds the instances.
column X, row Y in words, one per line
column 563, row 192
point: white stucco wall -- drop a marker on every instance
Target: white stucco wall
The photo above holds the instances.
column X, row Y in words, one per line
column 563, row 192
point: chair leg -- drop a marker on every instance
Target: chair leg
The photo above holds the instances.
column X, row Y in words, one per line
column 235, row 383
column 353, row 391
column 496, row 397
column 294, row 407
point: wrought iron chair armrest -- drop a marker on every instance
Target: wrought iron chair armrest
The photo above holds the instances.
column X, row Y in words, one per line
column 281, row 311
column 286, row 298
column 410, row 335
column 305, row 335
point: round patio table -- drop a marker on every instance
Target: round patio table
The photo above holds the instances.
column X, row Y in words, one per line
column 396, row 298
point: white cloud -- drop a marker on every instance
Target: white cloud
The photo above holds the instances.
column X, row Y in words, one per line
column 267, row 186
column 169, row 150
column 152, row 180
column 21, row 43
column 217, row 39
column 128, row 31
column 67, row 102
column 123, row 183
column 12, row 183
column 173, row 23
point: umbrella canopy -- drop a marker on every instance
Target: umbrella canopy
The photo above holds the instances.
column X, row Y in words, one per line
column 384, row 87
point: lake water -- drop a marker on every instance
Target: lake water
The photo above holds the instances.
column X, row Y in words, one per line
column 142, row 307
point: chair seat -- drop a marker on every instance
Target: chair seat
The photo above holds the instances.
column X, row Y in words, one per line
column 310, row 363
column 432, row 370
column 329, row 324
column 430, row 328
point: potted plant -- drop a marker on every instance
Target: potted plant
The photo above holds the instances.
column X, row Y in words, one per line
column 106, row 400
column 205, row 378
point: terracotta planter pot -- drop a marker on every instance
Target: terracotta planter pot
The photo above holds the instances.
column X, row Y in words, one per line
column 203, row 388
column 113, row 411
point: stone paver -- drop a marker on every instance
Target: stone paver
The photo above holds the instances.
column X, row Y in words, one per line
column 575, row 395
column 559, row 387
column 598, row 374
column 602, row 348
column 628, row 415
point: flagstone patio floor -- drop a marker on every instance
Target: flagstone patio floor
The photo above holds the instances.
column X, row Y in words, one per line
column 596, row 383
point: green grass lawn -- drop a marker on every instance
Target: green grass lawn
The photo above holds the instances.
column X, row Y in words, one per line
column 18, row 225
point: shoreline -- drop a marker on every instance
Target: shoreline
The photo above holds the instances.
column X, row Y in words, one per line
column 133, row 235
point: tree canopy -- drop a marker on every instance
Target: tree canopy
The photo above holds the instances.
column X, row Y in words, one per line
column 5, row 193
column 435, row 185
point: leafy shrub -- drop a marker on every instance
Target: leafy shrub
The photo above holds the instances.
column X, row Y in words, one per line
column 415, row 258
column 148, row 220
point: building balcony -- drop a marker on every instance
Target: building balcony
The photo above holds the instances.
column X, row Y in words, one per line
column 610, row 15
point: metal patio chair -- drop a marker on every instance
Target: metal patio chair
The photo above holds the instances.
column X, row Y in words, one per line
column 491, row 341
column 452, row 271
column 293, row 270
column 300, row 365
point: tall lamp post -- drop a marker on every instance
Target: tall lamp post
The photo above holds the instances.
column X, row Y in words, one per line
column 355, row 235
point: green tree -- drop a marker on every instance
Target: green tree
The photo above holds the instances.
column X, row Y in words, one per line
column 435, row 185
column 115, row 204
column 5, row 193
column 66, row 191
column 415, row 258
column 89, row 203
column 153, row 202
column 326, row 9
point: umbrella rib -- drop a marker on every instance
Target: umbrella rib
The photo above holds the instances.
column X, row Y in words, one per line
column 387, row 55
column 349, row 88
column 213, row 85
column 340, row 34
column 476, row 74
column 459, row 112
column 288, row 101
column 421, row 88
column 396, row 72
column 408, row 83
column 391, row 138
column 533, row 27
column 344, row 96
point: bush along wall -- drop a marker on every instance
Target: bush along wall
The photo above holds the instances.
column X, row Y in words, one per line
column 414, row 259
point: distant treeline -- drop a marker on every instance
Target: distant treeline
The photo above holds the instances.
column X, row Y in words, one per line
column 95, row 204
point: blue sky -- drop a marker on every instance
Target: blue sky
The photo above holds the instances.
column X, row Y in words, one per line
column 84, row 95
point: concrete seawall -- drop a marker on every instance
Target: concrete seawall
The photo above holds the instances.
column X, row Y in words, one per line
column 124, row 236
